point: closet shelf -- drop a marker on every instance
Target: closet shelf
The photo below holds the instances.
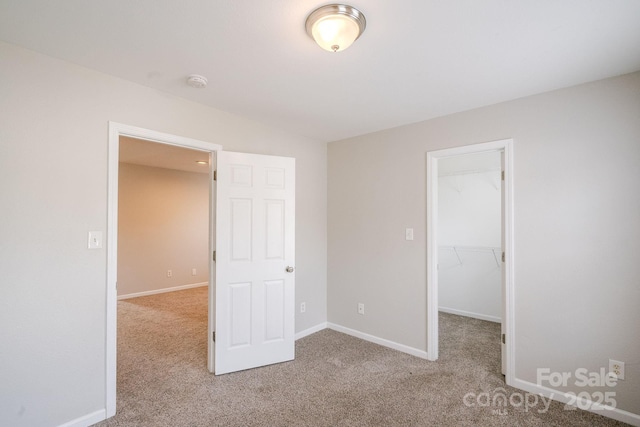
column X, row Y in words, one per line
column 494, row 250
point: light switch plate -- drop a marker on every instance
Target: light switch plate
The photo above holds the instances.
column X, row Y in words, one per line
column 408, row 234
column 95, row 239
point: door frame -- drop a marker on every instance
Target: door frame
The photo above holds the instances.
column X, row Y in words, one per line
column 116, row 130
column 505, row 145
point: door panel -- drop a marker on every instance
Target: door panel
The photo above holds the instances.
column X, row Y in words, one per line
column 239, row 314
column 275, row 239
column 241, row 223
column 255, row 238
column 274, row 310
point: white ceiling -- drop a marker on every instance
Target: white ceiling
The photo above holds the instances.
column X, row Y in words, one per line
column 417, row 59
column 146, row 153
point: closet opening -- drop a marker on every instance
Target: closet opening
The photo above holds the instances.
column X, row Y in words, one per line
column 469, row 239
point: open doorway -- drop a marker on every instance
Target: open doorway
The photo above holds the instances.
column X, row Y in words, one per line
column 470, row 257
column 251, row 240
column 447, row 249
column 163, row 271
column 159, row 141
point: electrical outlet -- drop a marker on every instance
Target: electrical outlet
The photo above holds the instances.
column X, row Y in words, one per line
column 169, row 273
column 616, row 367
column 194, row 272
column 360, row 308
column 303, row 307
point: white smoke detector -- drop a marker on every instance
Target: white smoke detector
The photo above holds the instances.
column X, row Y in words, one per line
column 199, row 82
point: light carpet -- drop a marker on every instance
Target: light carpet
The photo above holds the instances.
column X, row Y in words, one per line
column 335, row 380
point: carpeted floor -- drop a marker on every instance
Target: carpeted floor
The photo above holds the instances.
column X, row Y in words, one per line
column 335, row 380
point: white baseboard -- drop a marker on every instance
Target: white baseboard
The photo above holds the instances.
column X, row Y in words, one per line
column 381, row 341
column 311, row 330
column 87, row 420
column 470, row 314
column 596, row 408
column 162, row 291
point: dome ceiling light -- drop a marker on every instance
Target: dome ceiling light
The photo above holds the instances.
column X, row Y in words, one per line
column 335, row 26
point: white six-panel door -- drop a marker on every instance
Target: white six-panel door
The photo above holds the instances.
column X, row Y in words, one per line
column 255, row 257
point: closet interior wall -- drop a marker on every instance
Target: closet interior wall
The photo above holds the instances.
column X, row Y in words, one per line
column 469, row 234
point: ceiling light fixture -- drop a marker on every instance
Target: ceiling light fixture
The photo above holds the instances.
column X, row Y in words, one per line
column 202, row 162
column 197, row 81
column 335, row 26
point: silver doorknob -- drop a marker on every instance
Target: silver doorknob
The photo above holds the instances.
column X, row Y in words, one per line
column 289, row 269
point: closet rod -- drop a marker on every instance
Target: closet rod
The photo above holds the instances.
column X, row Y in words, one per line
column 491, row 249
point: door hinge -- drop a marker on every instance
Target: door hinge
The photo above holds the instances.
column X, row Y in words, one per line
column 214, row 255
column 215, row 175
column 503, row 175
column 504, row 341
column 214, row 336
column 502, row 256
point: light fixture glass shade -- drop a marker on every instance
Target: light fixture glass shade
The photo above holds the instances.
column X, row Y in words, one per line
column 336, row 26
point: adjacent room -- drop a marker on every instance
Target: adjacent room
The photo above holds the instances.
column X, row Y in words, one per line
column 163, row 218
column 299, row 213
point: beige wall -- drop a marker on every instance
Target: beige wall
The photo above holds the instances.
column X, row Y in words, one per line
column 53, row 188
column 577, row 227
column 163, row 224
